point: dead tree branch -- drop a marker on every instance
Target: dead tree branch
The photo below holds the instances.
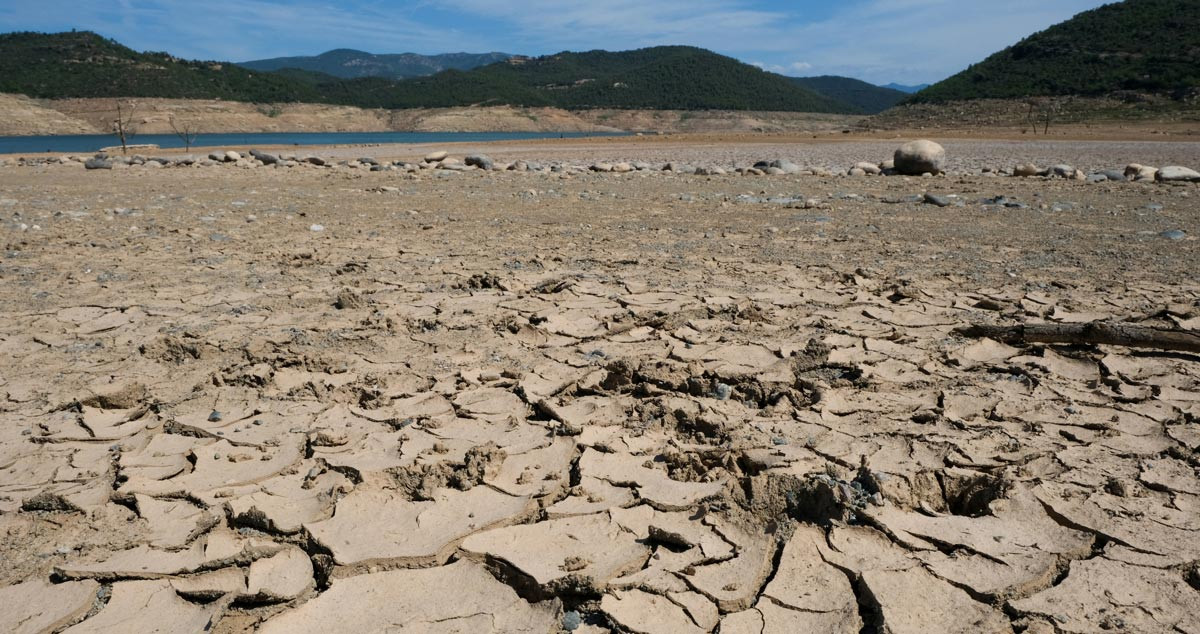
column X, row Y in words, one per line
column 1097, row 332
column 123, row 126
column 185, row 132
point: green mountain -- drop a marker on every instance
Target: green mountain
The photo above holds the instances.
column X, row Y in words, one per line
column 83, row 64
column 348, row 63
column 663, row 77
column 868, row 98
column 1150, row 46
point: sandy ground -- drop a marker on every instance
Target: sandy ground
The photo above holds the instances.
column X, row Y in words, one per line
column 334, row 400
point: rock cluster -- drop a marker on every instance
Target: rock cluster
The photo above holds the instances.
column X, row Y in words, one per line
column 916, row 158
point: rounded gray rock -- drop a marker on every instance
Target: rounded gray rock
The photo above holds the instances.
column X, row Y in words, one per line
column 919, row 157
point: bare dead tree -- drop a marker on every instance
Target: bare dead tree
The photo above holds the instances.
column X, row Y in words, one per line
column 123, row 125
column 1096, row 332
column 185, row 132
column 1031, row 117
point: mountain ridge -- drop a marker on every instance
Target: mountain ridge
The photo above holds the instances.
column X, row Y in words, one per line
column 348, row 63
column 867, row 97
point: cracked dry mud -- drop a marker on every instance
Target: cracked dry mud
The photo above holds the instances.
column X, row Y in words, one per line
column 640, row 403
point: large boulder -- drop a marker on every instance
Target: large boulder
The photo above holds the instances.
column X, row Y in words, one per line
column 1027, row 170
column 98, row 163
column 434, row 157
column 232, row 157
column 1177, row 174
column 919, row 157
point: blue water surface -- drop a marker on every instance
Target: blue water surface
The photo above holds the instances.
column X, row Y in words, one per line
column 93, row 142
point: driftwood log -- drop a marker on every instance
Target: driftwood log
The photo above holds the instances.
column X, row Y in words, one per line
column 1097, row 332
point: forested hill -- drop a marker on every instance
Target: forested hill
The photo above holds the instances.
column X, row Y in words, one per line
column 663, row 77
column 1146, row 46
column 84, row 64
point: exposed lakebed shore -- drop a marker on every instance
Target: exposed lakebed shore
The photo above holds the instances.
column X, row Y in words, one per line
column 325, row 397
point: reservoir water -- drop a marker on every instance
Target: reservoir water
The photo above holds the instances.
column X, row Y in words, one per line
column 93, row 142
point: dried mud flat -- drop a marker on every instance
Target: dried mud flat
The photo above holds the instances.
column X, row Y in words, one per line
column 295, row 401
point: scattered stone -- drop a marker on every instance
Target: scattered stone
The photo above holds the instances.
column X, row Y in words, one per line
column 481, row 161
column 1135, row 172
column 940, row 201
column 435, row 157
column 98, row 164
column 1177, row 174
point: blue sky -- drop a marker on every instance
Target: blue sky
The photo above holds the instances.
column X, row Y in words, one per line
column 907, row 41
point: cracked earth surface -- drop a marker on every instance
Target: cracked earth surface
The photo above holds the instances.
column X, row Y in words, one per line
column 630, row 402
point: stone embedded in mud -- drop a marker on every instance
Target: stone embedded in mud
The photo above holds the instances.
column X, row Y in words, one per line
column 37, row 606
column 460, row 597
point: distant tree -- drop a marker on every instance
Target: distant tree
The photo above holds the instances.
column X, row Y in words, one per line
column 123, row 125
column 186, row 133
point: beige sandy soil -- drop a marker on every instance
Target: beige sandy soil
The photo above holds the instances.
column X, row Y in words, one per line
column 332, row 400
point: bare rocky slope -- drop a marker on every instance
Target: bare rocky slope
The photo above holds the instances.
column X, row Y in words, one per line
column 24, row 116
